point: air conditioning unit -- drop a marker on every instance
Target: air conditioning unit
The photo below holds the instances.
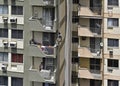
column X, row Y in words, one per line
column 111, row 52
column 110, row 27
column 110, row 70
column 5, row 43
column 5, row 19
column 46, row 2
column 4, row 68
column 13, row 44
column 13, row 20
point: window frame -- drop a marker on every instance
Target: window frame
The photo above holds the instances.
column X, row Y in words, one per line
column 111, row 3
column 113, row 82
column 3, row 11
column 112, row 63
column 15, row 10
column 4, row 57
column 18, row 59
column 111, row 22
column 113, row 42
column 15, row 80
column 3, row 33
column 15, row 34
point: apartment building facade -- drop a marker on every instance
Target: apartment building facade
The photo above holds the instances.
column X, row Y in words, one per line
column 97, row 24
column 32, row 36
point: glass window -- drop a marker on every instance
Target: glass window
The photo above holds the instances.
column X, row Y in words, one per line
column 113, row 22
column 17, row 10
column 48, row 16
column 95, row 65
column 18, row 34
column 113, row 83
column 16, row 81
column 113, row 2
column 75, row 1
column 75, row 19
column 3, row 81
column 3, row 56
column 3, row 9
column 48, row 39
column 4, row 33
column 113, row 42
column 18, row 58
column 95, row 83
column 113, row 63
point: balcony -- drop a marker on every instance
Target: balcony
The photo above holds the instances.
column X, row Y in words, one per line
column 42, row 76
column 89, row 52
column 41, row 51
column 43, row 2
column 86, row 74
column 41, row 25
column 94, row 12
column 84, row 52
column 89, row 31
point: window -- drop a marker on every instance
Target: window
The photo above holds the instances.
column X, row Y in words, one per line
column 113, row 42
column 18, row 34
column 75, row 19
column 17, row 10
column 3, row 56
column 113, row 83
column 16, row 81
column 3, row 81
column 74, row 40
column 3, row 9
column 112, row 22
column 113, row 2
column 48, row 39
column 95, row 83
column 4, row 33
column 75, row 1
column 18, row 58
column 48, row 16
column 113, row 63
column 95, row 65
column 49, row 64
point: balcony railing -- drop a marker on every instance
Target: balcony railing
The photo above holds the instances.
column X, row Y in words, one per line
column 96, row 10
column 90, row 11
column 95, row 30
column 43, row 2
column 95, row 71
column 49, row 50
column 96, row 50
column 46, row 75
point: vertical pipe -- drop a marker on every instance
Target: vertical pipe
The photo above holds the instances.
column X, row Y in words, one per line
column 68, row 44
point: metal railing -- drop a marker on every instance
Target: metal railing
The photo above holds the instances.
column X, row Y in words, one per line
column 49, row 2
column 95, row 71
column 96, row 10
column 95, row 50
column 95, row 30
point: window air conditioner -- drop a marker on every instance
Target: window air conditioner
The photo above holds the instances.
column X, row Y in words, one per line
column 13, row 20
column 111, row 52
column 110, row 70
column 5, row 43
column 13, row 44
column 5, row 19
column 4, row 68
